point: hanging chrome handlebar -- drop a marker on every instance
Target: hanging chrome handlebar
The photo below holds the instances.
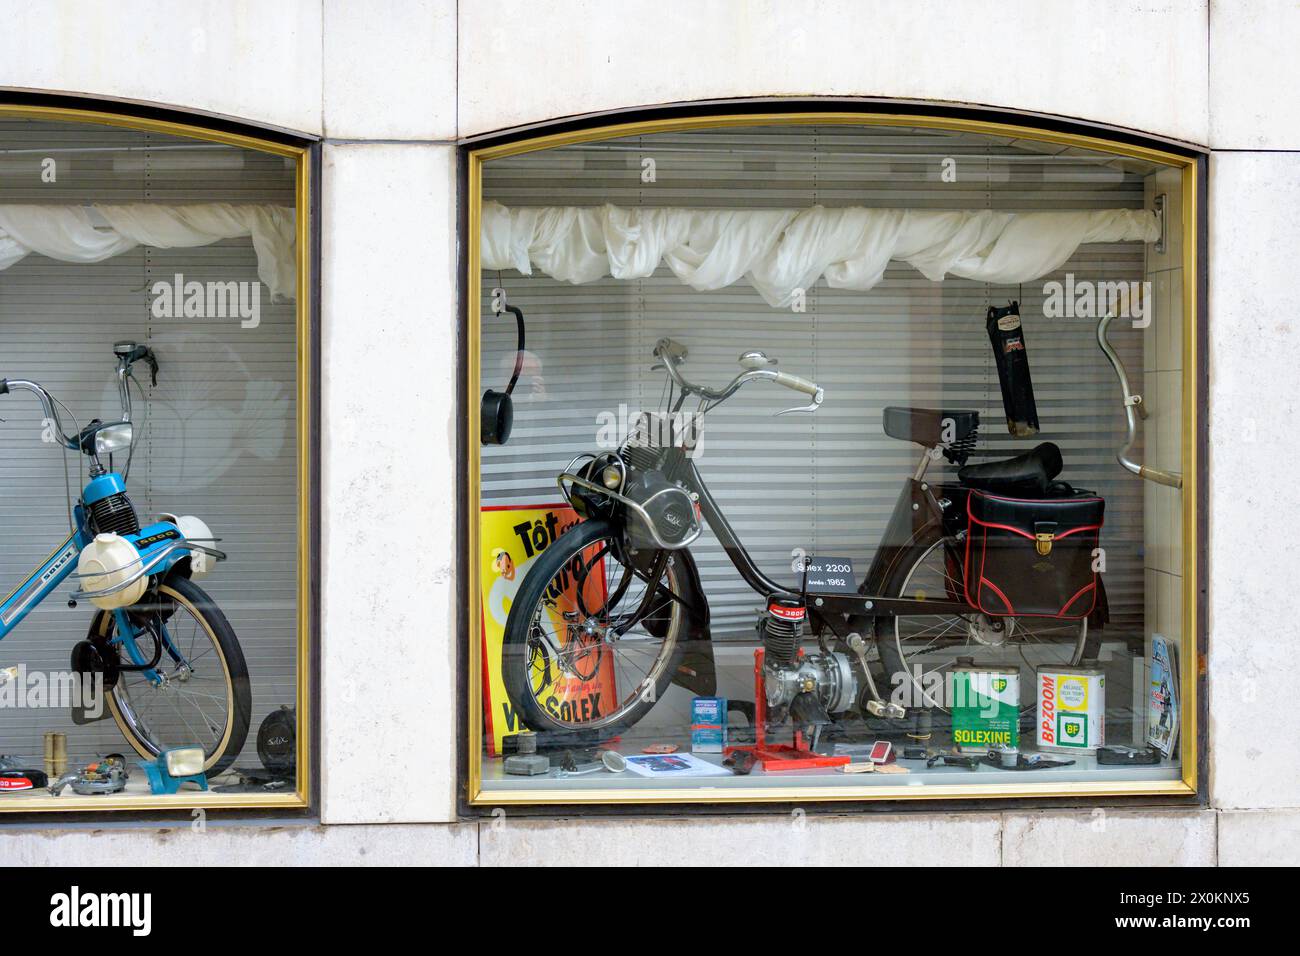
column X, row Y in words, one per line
column 671, row 353
column 1133, row 406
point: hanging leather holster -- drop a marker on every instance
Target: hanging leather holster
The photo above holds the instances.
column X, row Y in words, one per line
column 1008, row 339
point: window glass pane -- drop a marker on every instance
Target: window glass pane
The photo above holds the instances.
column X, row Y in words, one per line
column 990, row 590
column 122, row 249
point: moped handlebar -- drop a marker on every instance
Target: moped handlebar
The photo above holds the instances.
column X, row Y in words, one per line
column 672, row 354
column 128, row 353
column 48, row 406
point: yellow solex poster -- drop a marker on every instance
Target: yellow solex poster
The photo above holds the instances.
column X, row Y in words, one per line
column 577, row 680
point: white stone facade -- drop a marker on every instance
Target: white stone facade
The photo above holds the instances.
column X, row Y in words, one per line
column 392, row 85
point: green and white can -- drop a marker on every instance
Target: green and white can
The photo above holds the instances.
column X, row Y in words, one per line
column 986, row 707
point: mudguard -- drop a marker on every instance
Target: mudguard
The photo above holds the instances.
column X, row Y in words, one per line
column 910, row 522
column 1100, row 615
column 698, row 671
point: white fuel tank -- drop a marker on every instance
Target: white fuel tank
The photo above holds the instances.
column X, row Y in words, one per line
column 106, row 562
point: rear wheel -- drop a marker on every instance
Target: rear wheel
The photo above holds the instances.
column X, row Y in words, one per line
column 918, row 651
column 575, row 656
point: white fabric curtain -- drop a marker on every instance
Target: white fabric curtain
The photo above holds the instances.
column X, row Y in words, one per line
column 70, row 234
column 782, row 251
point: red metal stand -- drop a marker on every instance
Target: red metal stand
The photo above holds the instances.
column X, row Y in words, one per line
column 775, row 757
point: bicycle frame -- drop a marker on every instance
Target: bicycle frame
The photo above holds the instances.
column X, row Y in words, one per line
column 897, row 536
column 38, row 585
column 916, row 509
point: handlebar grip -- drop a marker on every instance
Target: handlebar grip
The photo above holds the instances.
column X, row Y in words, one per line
column 4, row 386
column 670, row 349
column 1161, row 477
column 796, row 383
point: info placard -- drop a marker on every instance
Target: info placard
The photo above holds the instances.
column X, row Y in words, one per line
column 831, row 576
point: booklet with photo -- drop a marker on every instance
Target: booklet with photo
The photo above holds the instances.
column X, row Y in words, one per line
column 674, row 765
column 1162, row 697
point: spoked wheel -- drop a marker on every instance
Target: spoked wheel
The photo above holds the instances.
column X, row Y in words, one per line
column 576, row 656
column 200, row 695
column 918, row 652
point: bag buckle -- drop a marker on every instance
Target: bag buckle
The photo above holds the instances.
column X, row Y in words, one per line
column 1044, row 532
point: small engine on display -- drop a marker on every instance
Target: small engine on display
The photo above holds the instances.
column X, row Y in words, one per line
column 809, row 687
column 102, row 777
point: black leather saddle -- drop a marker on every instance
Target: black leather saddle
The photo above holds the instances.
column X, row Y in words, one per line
column 1029, row 475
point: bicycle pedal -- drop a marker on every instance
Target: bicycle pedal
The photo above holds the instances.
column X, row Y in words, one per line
column 890, row 711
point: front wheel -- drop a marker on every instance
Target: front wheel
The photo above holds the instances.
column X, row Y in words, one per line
column 577, row 655
column 198, row 694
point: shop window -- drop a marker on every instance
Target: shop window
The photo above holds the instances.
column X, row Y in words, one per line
column 813, row 480
column 153, row 321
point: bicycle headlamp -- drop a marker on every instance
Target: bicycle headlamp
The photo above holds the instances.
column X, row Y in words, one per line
column 611, row 477
column 113, row 438
column 174, row 767
column 183, row 761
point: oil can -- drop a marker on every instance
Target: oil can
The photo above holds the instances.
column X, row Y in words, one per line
column 986, row 706
column 1071, row 709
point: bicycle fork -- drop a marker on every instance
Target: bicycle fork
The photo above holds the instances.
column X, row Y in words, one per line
column 138, row 662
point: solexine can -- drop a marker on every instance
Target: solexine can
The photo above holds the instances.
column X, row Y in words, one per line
column 986, row 707
column 1071, row 709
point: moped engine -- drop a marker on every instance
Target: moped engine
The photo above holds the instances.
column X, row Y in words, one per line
column 810, row 686
column 670, row 509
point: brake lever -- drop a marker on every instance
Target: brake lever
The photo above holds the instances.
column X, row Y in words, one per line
column 815, row 404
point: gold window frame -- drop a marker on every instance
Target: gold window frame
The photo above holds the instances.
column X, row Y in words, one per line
column 1191, row 662
column 207, row 800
